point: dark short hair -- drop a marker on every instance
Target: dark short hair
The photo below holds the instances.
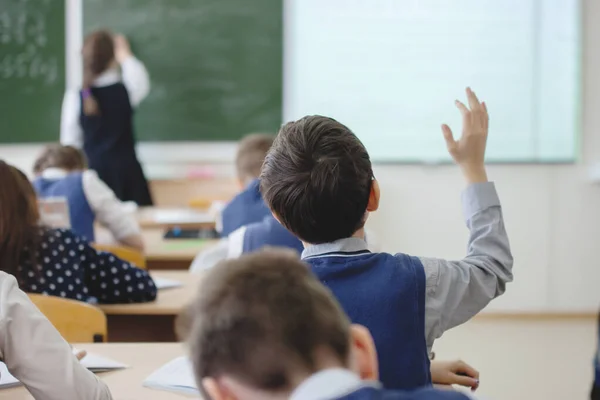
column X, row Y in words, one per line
column 251, row 153
column 59, row 156
column 317, row 179
column 261, row 319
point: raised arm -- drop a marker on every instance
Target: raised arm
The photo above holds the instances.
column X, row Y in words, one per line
column 37, row 355
column 71, row 133
column 135, row 75
column 457, row 290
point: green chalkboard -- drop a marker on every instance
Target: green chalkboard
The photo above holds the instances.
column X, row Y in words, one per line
column 32, row 69
column 215, row 65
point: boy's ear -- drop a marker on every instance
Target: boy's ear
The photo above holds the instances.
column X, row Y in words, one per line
column 373, row 203
column 216, row 391
column 363, row 353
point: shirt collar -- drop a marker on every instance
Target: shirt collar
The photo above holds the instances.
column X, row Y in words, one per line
column 329, row 384
column 108, row 77
column 346, row 245
column 54, row 173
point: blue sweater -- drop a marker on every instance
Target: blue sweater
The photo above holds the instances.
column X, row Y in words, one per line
column 269, row 232
column 386, row 294
column 70, row 187
column 246, row 208
column 371, row 393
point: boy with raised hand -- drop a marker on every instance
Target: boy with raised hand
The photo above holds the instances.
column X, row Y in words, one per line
column 318, row 181
column 263, row 327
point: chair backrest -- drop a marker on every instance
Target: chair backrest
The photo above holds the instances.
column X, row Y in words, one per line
column 77, row 322
column 124, row 253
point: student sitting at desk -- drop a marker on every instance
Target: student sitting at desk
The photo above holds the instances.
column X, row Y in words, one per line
column 56, row 261
column 36, row 354
column 318, row 181
column 61, row 172
column 263, row 327
column 246, row 223
column 247, row 206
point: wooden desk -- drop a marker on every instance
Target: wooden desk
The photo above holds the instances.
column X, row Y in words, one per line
column 152, row 322
column 142, row 358
column 182, row 217
column 171, row 254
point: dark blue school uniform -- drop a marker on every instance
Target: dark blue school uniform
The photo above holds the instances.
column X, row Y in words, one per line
column 109, row 144
column 245, row 208
column 386, row 294
column 70, row 187
column 372, row 393
column 269, row 232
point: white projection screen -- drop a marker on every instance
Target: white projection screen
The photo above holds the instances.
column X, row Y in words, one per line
column 391, row 69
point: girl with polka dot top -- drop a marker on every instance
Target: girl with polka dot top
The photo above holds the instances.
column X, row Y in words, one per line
column 57, row 262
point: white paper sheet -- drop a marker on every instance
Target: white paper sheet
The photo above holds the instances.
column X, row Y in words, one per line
column 164, row 283
column 96, row 363
column 181, row 216
column 6, row 379
column 175, row 376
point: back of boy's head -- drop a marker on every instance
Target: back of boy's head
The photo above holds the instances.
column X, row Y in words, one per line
column 58, row 156
column 317, row 179
column 261, row 319
column 251, row 153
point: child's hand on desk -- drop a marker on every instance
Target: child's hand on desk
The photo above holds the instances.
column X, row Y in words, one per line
column 80, row 354
column 454, row 373
column 469, row 150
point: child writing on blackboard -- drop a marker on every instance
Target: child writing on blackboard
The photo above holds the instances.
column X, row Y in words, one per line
column 99, row 118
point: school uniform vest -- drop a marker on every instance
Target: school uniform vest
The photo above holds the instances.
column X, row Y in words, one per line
column 371, row 393
column 386, row 294
column 269, row 232
column 246, row 208
column 71, row 187
column 109, row 144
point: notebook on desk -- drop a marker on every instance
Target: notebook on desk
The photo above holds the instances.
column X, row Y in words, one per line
column 174, row 376
column 92, row 362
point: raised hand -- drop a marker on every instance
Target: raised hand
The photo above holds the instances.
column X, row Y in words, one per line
column 469, row 150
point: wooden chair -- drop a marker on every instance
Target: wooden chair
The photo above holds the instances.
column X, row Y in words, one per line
column 125, row 253
column 77, row 322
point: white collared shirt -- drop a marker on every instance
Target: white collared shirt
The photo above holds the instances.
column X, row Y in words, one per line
column 116, row 216
column 329, row 384
column 37, row 355
column 136, row 80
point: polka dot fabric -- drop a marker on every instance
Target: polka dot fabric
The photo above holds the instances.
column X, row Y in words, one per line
column 69, row 267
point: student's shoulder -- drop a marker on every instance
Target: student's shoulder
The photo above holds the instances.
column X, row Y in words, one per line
column 373, row 393
column 61, row 235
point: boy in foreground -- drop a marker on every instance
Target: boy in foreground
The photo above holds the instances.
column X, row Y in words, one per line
column 263, row 327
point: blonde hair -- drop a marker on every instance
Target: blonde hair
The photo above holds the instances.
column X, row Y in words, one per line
column 251, row 153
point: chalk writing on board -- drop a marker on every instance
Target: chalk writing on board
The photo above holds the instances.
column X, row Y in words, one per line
column 23, row 41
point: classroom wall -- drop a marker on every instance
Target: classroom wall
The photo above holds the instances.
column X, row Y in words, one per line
column 552, row 211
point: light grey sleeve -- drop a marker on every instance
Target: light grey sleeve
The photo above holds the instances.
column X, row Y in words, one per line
column 37, row 355
column 457, row 290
